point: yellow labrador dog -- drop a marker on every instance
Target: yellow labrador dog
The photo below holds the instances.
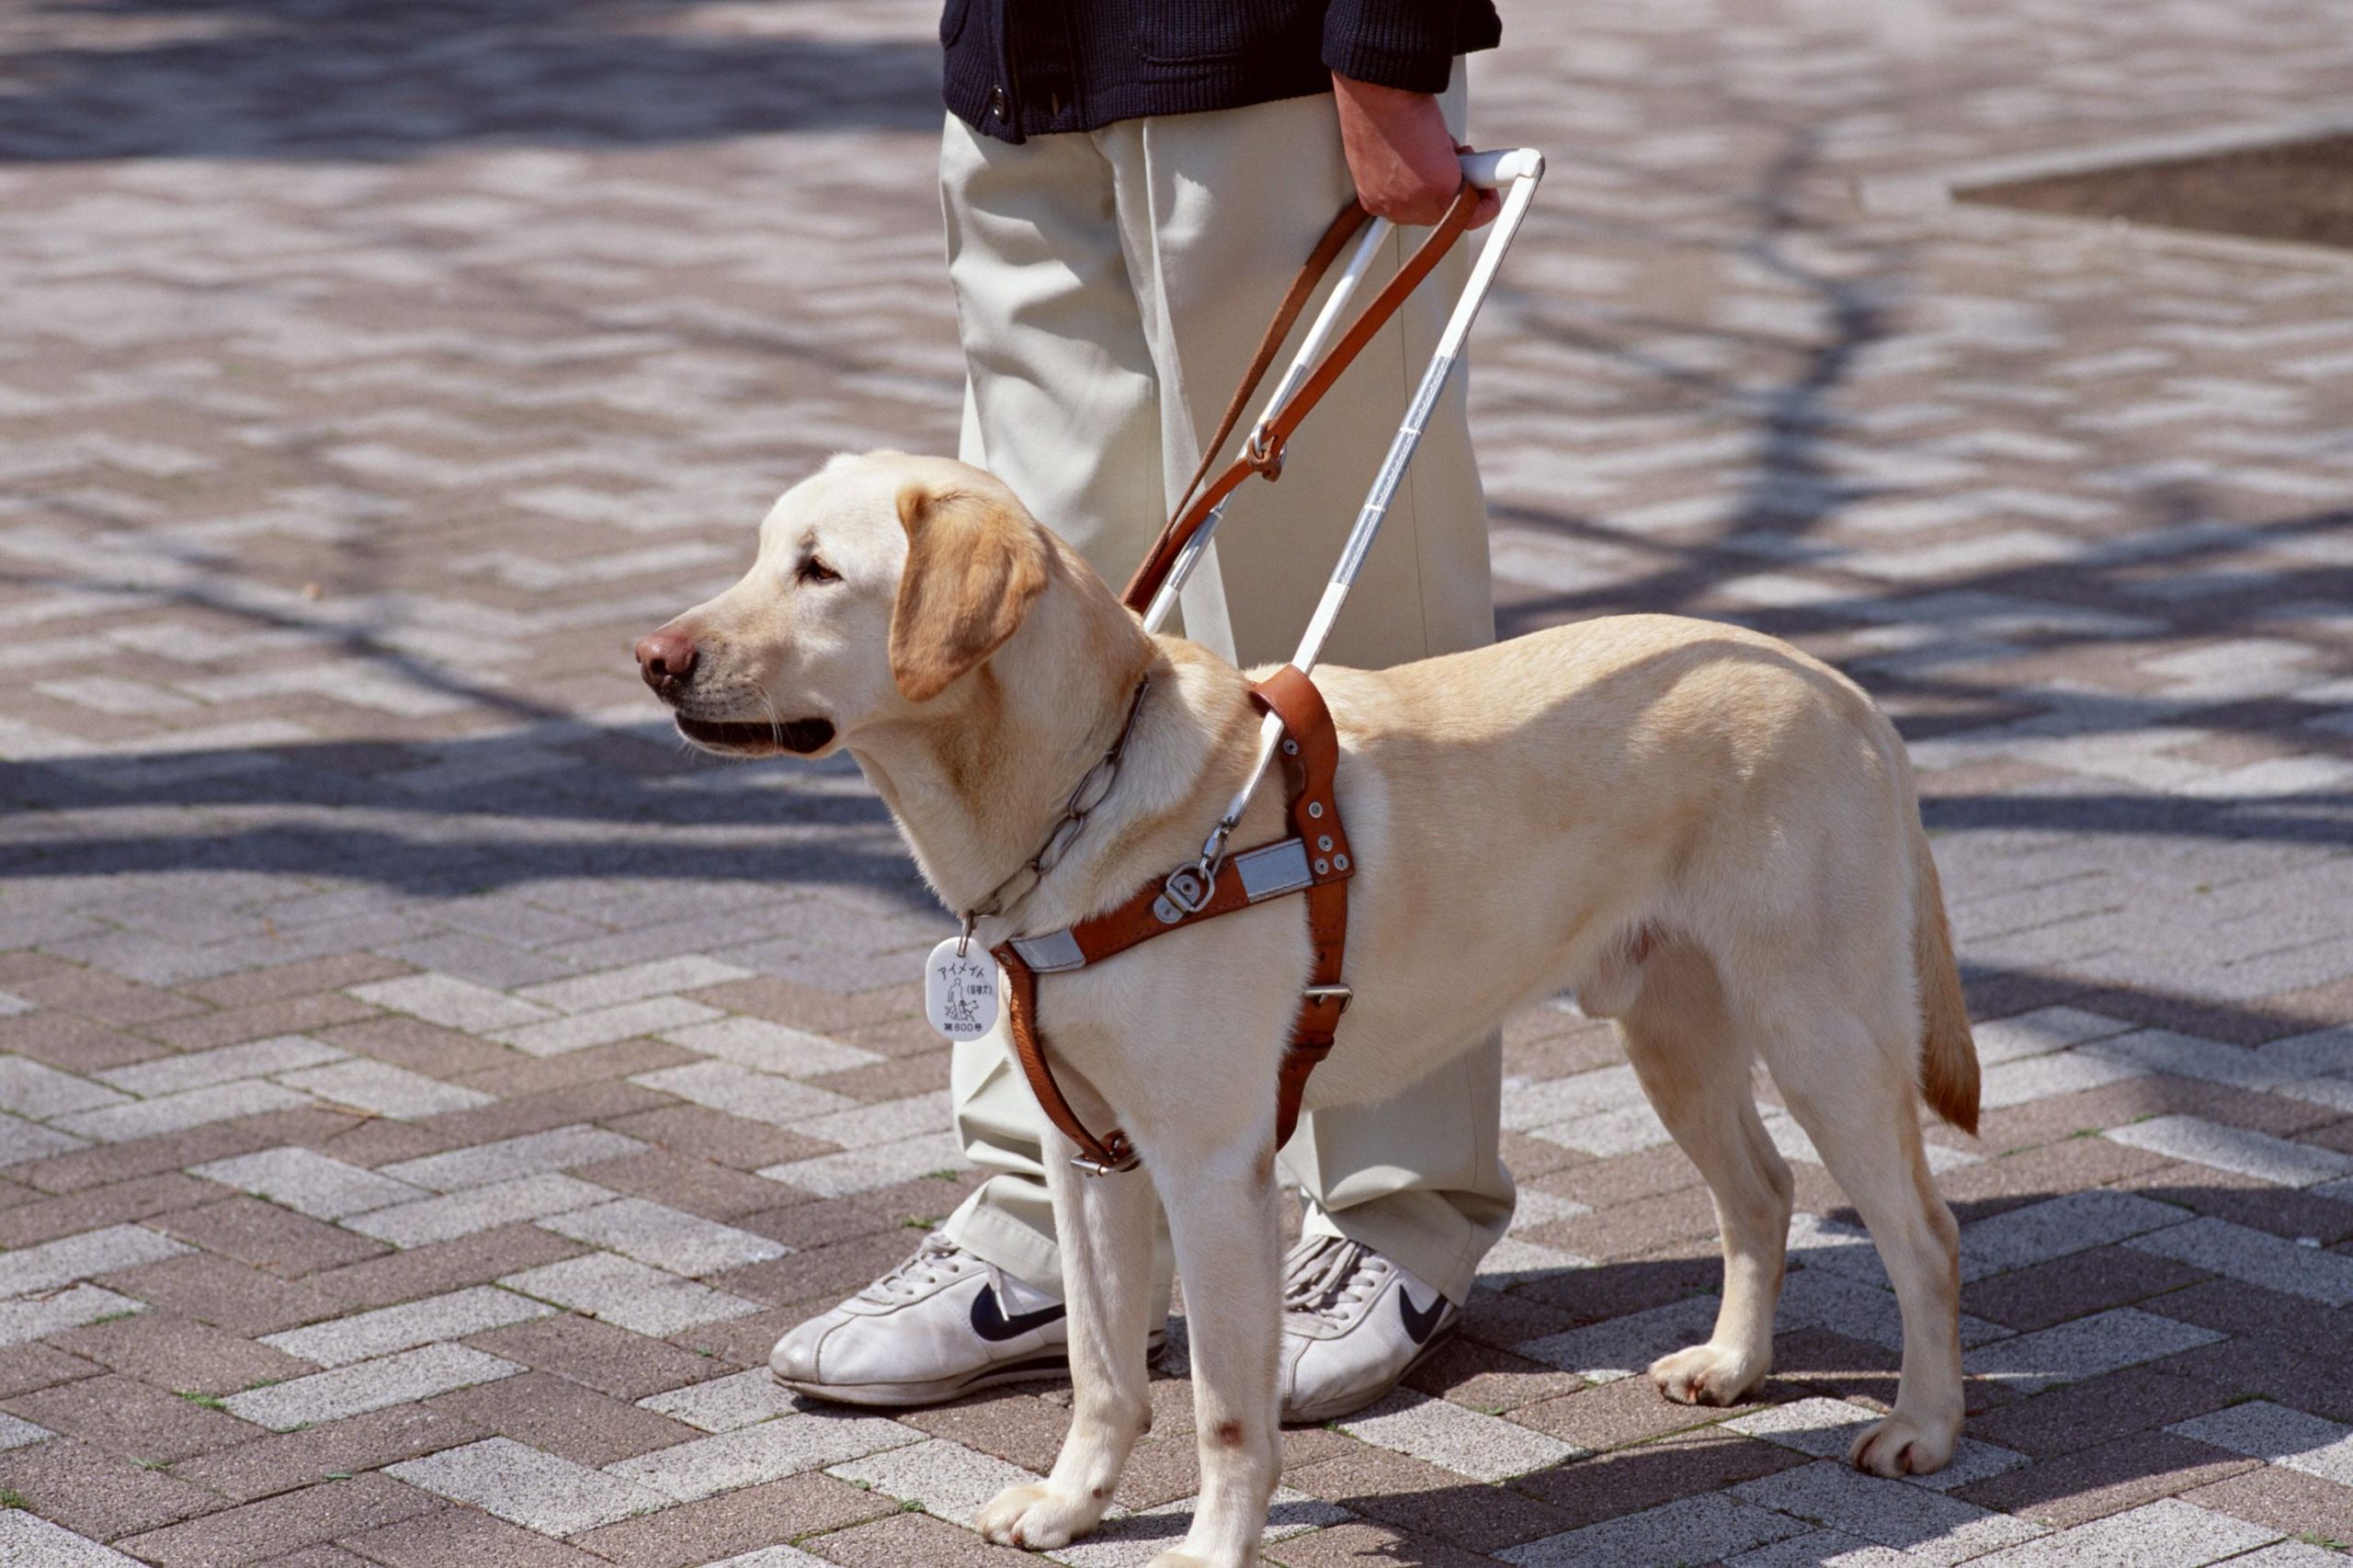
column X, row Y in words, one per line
column 1712, row 836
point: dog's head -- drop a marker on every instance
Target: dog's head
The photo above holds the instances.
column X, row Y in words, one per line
column 882, row 580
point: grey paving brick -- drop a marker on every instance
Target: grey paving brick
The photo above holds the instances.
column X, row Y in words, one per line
column 27, row 1541
column 519, row 1483
column 2256, row 1256
column 951, row 1480
column 1694, row 1529
column 308, row 1182
column 2269, row 1431
column 177, row 1113
column 385, row 1090
column 473, row 1208
column 2227, row 1148
column 1452, row 1437
column 2069, row 1224
column 434, row 1319
column 603, row 1026
column 633, row 983
column 33, row 1269
column 723, row 1404
column 37, row 1317
column 197, row 1069
column 452, row 1003
column 628, row 1294
column 536, row 1153
column 21, row 1139
column 768, row 1047
column 786, row 1446
column 2168, row 1530
column 667, row 1238
column 15, row 1432
column 723, row 1085
column 1924, row 1525
column 39, row 1091
column 2085, row 1347
column 1624, row 1346
column 1828, row 1427
column 2040, row 1032
column 855, row 1171
column 368, row 1385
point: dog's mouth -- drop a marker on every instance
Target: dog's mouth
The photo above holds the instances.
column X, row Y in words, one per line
column 798, row 737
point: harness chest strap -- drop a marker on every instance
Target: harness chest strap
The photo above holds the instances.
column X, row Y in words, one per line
column 1316, row 860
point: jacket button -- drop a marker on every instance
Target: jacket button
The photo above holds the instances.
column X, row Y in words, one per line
column 996, row 102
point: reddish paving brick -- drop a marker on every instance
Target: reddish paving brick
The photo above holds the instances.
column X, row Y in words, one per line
column 26, row 1224
column 1614, row 1415
column 2233, row 1306
column 444, row 1265
column 108, row 998
column 287, row 1462
column 418, row 1046
column 1627, row 1481
column 97, row 1494
column 2075, row 1416
column 307, row 978
column 2090, row 1483
column 736, row 1522
column 1363, row 1544
column 610, row 1361
column 1484, row 1378
column 131, row 1418
column 269, row 1238
column 902, row 1539
column 75, row 1044
column 239, row 1535
column 557, row 1416
column 234, row 1026
column 732, row 1141
column 1404, row 1492
column 2074, row 1285
column 177, row 1352
column 460, row 1538
column 2287, row 1500
column 521, row 1077
column 29, row 1367
column 232, row 1296
column 595, row 1101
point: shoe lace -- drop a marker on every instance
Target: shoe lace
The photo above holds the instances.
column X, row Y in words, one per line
column 939, row 1258
column 1327, row 1277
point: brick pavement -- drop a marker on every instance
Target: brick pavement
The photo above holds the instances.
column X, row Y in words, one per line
column 427, row 1093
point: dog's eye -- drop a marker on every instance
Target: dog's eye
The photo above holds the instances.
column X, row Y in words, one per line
column 815, row 571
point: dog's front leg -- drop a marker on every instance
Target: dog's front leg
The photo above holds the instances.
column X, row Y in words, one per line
column 1106, row 1227
column 1221, row 1215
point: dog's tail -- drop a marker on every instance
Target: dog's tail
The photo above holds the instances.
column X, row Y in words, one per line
column 1947, row 1051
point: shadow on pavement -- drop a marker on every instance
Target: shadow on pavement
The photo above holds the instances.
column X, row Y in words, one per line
column 362, row 80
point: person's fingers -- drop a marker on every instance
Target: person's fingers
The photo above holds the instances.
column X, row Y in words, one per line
column 1484, row 213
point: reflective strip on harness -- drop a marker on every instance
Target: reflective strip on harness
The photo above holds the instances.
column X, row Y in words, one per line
column 1269, row 871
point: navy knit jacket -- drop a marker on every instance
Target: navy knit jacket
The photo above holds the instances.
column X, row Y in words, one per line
column 1023, row 68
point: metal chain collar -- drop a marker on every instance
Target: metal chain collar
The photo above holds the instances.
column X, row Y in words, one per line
column 1093, row 789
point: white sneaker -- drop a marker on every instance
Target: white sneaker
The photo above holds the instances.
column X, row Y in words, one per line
column 1354, row 1324
column 939, row 1325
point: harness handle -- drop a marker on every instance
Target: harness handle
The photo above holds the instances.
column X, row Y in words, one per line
column 1263, row 452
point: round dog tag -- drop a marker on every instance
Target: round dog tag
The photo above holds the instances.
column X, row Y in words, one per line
column 959, row 990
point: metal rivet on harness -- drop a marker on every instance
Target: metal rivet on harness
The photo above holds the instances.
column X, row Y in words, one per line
column 1321, row 866
column 1316, row 808
column 1290, row 749
column 1340, row 861
column 1325, row 843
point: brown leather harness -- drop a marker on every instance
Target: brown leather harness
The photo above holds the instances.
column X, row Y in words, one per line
column 1315, row 859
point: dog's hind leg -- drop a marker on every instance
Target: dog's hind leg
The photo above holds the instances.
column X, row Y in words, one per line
column 1105, row 1226
column 1695, row 1068
column 1221, row 1215
column 1850, row 1083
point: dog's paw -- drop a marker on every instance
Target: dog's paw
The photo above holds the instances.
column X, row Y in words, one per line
column 1037, row 1518
column 1707, row 1374
column 1898, row 1447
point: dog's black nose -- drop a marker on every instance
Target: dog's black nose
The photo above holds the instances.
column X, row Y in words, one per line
column 665, row 658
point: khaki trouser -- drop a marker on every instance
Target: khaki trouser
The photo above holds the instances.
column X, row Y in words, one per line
column 1111, row 286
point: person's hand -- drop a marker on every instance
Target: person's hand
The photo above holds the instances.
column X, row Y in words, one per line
column 1400, row 154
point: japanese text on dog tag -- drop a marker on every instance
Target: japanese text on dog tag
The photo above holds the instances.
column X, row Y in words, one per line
column 959, row 990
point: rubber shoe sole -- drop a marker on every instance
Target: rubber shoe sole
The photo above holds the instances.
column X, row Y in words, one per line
column 1052, row 1367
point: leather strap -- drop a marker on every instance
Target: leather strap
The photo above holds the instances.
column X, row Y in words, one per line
column 1316, row 860
column 1195, row 512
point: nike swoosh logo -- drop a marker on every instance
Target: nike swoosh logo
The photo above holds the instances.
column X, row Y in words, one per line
column 1421, row 1324
column 991, row 1324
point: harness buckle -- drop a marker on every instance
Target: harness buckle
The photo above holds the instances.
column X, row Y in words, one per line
column 1343, row 994
column 1187, row 892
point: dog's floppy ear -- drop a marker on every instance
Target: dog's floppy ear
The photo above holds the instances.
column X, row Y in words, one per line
column 974, row 566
